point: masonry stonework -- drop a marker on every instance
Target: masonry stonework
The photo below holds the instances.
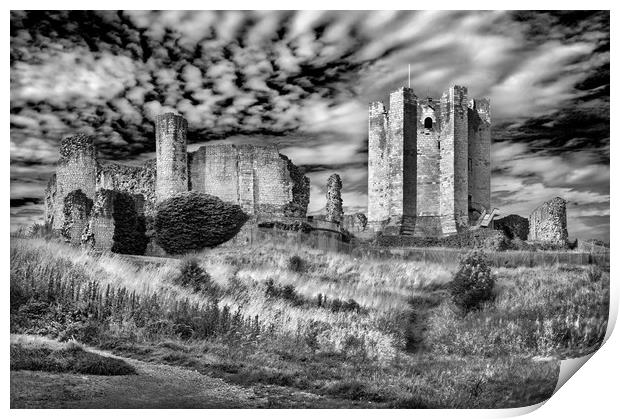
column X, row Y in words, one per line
column 428, row 169
column 259, row 179
column 378, row 181
column 548, row 222
column 265, row 183
column 479, row 157
column 333, row 206
column 171, row 146
column 77, row 169
column 453, row 161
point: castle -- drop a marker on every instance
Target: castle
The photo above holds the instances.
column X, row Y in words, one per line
column 429, row 164
column 263, row 182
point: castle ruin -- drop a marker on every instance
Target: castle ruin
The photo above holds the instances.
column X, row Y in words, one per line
column 548, row 223
column 429, row 164
column 263, row 182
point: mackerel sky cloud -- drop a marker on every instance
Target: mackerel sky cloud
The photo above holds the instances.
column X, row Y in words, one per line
column 303, row 80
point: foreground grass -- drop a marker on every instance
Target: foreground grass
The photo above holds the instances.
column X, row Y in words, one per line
column 29, row 353
column 381, row 331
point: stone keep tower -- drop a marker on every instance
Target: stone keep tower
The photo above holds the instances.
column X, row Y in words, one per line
column 453, row 161
column 392, row 148
column 171, row 145
column 428, row 163
column 479, row 153
column 77, row 169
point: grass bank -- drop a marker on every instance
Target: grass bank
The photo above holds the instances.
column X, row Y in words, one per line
column 383, row 331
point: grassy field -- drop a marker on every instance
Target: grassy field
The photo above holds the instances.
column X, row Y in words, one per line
column 383, row 332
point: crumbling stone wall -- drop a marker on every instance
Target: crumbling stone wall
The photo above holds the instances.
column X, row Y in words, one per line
column 116, row 224
column 171, row 146
column 50, row 200
column 298, row 206
column 257, row 178
column 354, row 223
column 548, row 222
column 135, row 180
column 334, row 200
column 77, row 169
column 100, row 232
column 76, row 211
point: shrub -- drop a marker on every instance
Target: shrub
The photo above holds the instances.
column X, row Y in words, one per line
column 594, row 273
column 473, row 283
column 192, row 221
column 286, row 292
column 193, row 276
column 295, row 264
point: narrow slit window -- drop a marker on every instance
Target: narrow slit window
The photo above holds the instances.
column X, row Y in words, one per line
column 438, row 145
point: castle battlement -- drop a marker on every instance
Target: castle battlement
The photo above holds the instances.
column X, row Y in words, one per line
column 428, row 162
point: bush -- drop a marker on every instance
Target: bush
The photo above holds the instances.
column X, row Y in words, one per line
column 594, row 273
column 295, row 264
column 193, row 276
column 192, row 221
column 473, row 283
column 285, row 292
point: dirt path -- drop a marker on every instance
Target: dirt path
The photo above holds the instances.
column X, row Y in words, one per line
column 155, row 386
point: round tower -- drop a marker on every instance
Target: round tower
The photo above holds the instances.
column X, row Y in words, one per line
column 171, row 145
column 77, row 169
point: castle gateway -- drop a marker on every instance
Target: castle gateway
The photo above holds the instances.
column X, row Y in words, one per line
column 429, row 164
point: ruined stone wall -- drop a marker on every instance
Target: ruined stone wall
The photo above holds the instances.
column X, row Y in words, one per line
column 171, row 146
column 479, row 154
column 453, row 162
column 548, row 222
column 378, row 182
column 402, row 160
column 333, row 207
column 354, row 223
column 259, row 179
column 76, row 211
column 135, row 180
column 427, row 221
column 50, row 200
column 100, row 232
column 77, row 169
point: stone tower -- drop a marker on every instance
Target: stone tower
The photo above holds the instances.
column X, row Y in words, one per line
column 378, row 182
column 77, row 169
column 428, row 221
column 392, row 161
column 334, row 199
column 429, row 165
column 171, row 145
column 479, row 157
column 453, row 161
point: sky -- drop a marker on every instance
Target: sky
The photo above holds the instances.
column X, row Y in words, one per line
column 303, row 79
